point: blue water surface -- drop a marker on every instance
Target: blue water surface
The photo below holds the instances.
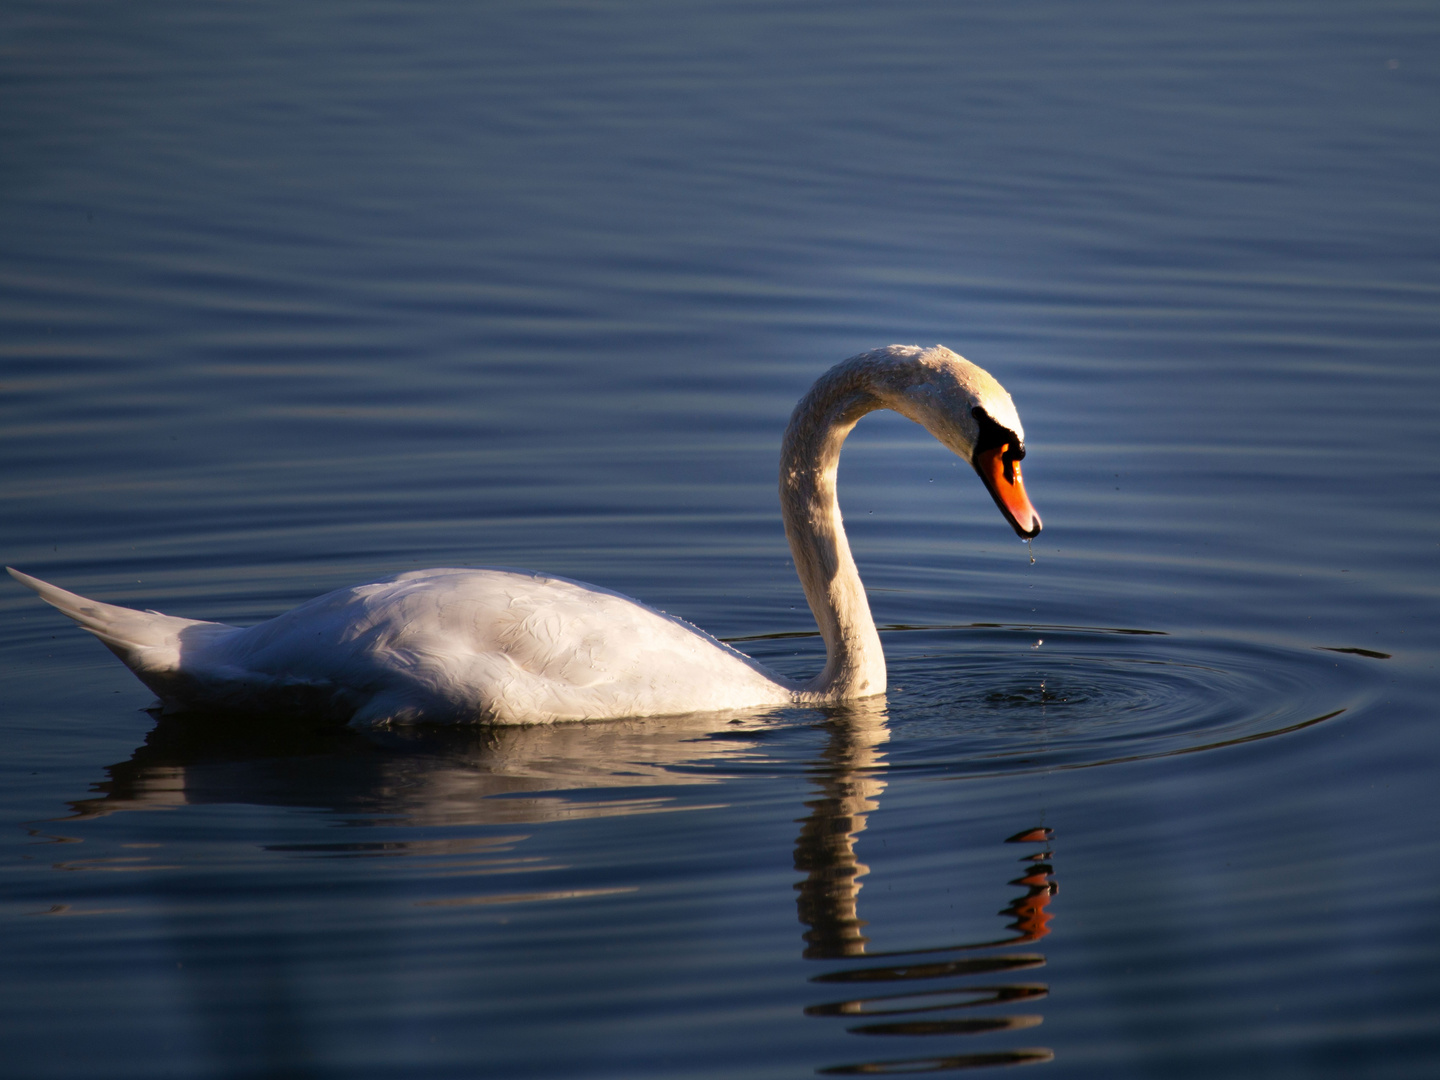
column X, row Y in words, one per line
column 293, row 297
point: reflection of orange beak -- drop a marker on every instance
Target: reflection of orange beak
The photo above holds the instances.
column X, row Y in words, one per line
column 1002, row 479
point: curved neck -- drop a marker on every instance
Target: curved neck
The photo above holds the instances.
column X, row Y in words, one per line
column 809, row 458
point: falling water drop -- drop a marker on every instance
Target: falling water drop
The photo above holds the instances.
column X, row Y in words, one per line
column 1032, row 550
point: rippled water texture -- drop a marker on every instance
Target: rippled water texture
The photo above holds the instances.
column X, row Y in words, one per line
column 297, row 297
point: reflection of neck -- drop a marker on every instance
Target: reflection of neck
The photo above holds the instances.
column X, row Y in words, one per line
column 825, row 849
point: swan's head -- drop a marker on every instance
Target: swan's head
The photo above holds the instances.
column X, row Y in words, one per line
column 968, row 411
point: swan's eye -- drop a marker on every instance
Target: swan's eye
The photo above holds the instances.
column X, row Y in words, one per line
column 1011, row 457
column 992, row 437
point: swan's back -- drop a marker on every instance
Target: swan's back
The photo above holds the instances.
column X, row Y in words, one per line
column 503, row 645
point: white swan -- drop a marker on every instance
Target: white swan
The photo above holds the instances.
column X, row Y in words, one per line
column 509, row 646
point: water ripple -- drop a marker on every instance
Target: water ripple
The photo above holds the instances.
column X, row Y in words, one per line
column 981, row 700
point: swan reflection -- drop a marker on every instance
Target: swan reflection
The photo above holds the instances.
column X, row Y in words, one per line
column 848, row 782
column 520, row 776
column 428, row 777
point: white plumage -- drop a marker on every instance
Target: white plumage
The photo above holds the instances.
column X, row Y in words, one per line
column 437, row 645
column 510, row 646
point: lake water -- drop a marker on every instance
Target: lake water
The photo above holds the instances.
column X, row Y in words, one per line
column 297, row 297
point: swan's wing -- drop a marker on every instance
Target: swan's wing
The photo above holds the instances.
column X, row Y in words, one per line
column 505, row 645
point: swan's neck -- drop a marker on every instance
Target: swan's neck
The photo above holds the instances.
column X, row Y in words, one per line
column 809, row 458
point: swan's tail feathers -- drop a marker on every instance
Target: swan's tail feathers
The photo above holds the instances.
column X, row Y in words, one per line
column 149, row 643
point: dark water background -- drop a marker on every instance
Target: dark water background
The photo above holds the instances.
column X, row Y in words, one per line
column 293, row 296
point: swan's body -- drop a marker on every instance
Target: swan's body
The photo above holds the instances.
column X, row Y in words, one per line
column 510, row 646
column 439, row 646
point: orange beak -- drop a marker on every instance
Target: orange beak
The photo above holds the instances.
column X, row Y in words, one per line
column 1002, row 480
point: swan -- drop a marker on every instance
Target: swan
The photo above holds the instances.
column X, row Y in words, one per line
column 514, row 647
